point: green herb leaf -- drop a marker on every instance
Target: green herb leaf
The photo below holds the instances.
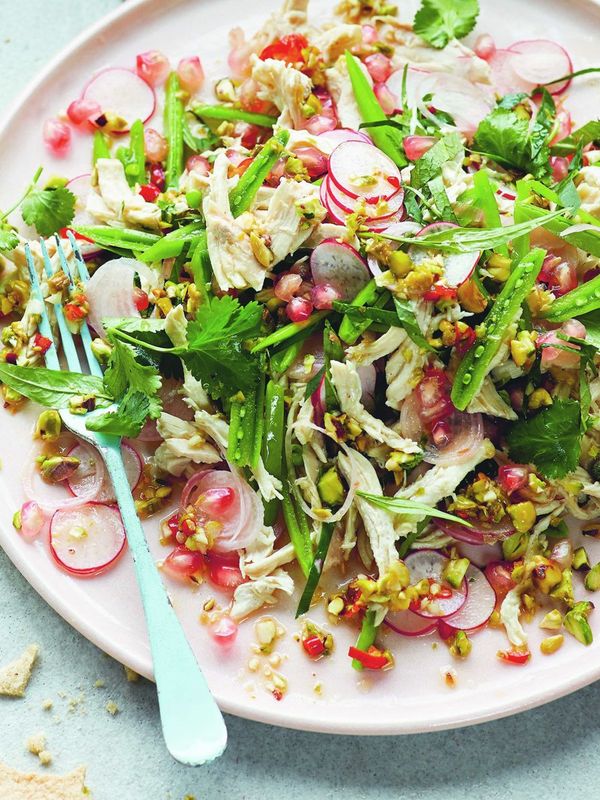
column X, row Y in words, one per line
column 429, row 166
column 125, row 375
column 48, row 210
column 551, row 440
column 438, row 21
column 398, row 505
column 49, row 387
column 407, row 318
column 9, row 239
column 590, row 132
column 128, row 419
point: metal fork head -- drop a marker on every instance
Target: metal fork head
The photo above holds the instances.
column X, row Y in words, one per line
column 75, row 269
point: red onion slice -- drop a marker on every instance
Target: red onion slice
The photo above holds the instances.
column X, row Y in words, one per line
column 480, row 533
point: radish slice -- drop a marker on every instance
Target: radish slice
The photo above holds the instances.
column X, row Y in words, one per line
column 339, row 265
column 329, row 140
column 121, row 92
column 504, row 78
column 110, row 290
column 86, row 474
column 407, row 623
column 480, row 604
column 539, row 61
column 362, row 171
column 414, row 81
column 458, row 267
column 87, row 539
column 338, row 215
column 481, row 554
column 395, row 229
column 429, row 565
column 384, row 208
column 466, row 103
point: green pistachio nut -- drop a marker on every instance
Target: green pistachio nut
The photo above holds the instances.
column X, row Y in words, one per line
column 58, row 468
column 576, row 622
column 592, row 579
column 48, row 425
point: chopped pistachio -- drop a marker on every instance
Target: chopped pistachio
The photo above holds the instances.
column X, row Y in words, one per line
column 461, row 645
column 551, row 644
column 101, row 349
column 58, row 468
column 523, row 515
column 539, row 398
column 515, row 546
column 591, row 528
column 455, row 570
column 400, row 263
column 581, row 560
column 564, row 590
column 499, row 267
column 592, row 579
column 266, row 633
column 336, row 606
column 48, row 425
column 552, row 621
column 330, row 487
column 576, row 622
column 16, row 520
column 546, row 574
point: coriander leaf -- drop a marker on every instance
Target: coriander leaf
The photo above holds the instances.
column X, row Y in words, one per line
column 49, row 387
column 590, row 132
column 550, row 440
column 8, row 239
column 216, row 354
column 125, row 375
column 48, row 209
column 429, row 166
column 438, row 21
column 127, row 420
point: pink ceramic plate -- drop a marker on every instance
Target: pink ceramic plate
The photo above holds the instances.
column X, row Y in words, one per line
column 326, row 696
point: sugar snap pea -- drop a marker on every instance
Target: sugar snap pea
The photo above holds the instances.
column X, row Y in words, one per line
column 272, row 450
column 582, row 300
column 173, row 124
column 125, row 238
column 241, row 197
column 100, row 147
column 234, row 114
column 316, row 568
column 475, row 364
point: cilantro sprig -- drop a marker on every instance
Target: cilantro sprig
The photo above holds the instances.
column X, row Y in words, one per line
column 438, row 21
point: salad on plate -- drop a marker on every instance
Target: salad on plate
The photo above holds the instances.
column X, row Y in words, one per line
column 347, row 303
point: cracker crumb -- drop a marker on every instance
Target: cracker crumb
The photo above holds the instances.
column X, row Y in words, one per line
column 36, row 743
column 112, row 708
column 47, row 704
column 16, row 785
column 99, row 684
column 131, row 675
column 15, row 676
column 45, row 758
column 449, row 676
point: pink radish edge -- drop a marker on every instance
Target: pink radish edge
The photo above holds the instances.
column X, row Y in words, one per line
column 121, row 91
column 109, row 522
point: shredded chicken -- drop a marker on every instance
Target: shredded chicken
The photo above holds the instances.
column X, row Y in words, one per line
column 183, row 445
column 403, row 372
column 335, row 40
column 340, row 88
column 252, row 595
column 349, row 390
column 488, row 401
column 285, row 226
column 285, row 87
column 115, row 200
column 366, row 352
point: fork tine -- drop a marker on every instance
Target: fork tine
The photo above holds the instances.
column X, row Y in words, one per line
column 65, row 334
column 84, row 331
column 51, row 356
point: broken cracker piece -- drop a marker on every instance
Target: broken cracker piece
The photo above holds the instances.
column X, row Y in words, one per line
column 131, row 675
column 15, row 676
column 35, row 744
column 30, row 786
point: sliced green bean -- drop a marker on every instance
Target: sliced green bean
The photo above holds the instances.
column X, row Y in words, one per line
column 137, row 166
column 100, row 147
column 366, row 637
column 350, row 329
column 234, row 114
column 284, row 358
column 582, row 300
column 125, row 238
column 297, row 528
column 200, row 263
column 387, row 139
column 241, row 197
column 173, row 124
column 173, row 243
column 316, row 568
column 475, row 364
column 288, row 331
column 273, row 435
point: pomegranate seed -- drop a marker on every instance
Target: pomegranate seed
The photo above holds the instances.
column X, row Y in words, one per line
column 225, row 631
column 287, row 286
column 191, row 74
column 369, row 34
column 513, row 477
column 217, row 502
column 149, row 192
column 153, row 66
column 321, row 123
column 379, row 66
column 250, row 135
column 155, row 144
column 182, row 563
column 11, row 358
column 42, row 342
column 57, row 136
column 140, row 298
column 314, row 160
column 590, row 273
column 172, row 524
column 441, row 434
column 485, row 47
column 82, row 110
column 249, row 100
column 323, row 295
column 560, row 168
column 387, row 99
column 299, row 309
column 157, row 176
column 416, row 146
column 225, row 571
column 32, row 519
column 198, row 164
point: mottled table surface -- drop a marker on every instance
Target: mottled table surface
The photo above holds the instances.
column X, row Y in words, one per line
column 552, row 750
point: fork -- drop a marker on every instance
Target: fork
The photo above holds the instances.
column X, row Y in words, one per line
column 192, row 724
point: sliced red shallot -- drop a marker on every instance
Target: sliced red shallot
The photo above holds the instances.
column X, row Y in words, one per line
column 445, row 599
column 339, row 265
column 90, row 461
column 540, row 61
column 481, row 601
column 110, row 290
column 481, row 554
column 87, row 539
column 460, row 439
column 479, row 533
column 122, row 93
column 407, row 623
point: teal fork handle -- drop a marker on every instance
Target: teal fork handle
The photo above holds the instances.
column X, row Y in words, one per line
column 192, row 723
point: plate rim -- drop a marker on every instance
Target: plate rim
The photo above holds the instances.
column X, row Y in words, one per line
column 136, row 660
